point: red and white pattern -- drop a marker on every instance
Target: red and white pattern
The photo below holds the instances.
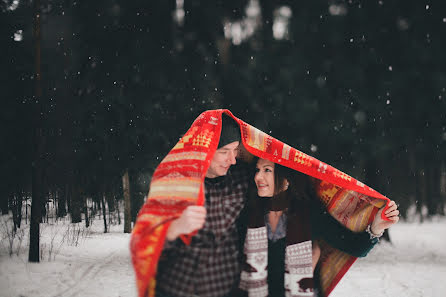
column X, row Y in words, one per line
column 254, row 277
column 209, row 266
column 189, row 161
column 298, row 268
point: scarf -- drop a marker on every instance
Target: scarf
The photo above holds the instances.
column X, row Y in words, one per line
column 178, row 182
column 298, row 278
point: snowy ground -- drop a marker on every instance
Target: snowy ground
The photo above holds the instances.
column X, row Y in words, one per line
column 415, row 265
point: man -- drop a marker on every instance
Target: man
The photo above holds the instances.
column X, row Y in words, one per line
column 210, row 265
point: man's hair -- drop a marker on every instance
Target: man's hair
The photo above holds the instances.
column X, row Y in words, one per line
column 230, row 131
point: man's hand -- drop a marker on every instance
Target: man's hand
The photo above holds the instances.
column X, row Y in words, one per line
column 379, row 225
column 192, row 218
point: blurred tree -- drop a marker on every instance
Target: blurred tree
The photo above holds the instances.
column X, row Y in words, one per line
column 359, row 85
column 38, row 145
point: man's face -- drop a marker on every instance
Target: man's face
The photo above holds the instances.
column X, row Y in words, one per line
column 223, row 158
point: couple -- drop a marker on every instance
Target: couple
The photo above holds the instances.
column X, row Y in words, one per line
column 266, row 245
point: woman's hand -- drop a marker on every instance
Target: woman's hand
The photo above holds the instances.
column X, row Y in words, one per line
column 379, row 225
column 191, row 219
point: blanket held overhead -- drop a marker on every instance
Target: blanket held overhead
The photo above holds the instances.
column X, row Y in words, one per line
column 178, row 182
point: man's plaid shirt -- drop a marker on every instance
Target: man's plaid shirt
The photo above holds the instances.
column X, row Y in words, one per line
column 210, row 265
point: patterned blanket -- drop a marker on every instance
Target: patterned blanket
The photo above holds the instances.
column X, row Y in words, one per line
column 178, row 182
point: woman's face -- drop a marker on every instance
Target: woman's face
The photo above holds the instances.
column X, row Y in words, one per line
column 264, row 178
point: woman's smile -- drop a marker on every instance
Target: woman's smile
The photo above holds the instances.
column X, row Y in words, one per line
column 264, row 178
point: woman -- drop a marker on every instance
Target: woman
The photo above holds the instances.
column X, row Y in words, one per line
column 281, row 249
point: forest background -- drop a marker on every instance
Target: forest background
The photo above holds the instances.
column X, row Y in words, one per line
column 95, row 93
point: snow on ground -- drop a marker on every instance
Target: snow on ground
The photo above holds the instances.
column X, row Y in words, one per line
column 98, row 266
column 414, row 265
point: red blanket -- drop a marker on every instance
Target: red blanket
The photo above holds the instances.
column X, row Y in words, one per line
column 178, row 182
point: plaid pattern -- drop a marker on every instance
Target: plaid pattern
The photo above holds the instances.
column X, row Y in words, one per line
column 210, row 265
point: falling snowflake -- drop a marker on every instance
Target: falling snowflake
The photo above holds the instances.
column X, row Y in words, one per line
column 18, row 35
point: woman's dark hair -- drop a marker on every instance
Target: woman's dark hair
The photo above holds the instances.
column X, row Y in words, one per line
column 300, row 190
column 300, row 185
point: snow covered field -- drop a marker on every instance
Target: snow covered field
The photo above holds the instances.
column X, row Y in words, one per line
column 415, row 265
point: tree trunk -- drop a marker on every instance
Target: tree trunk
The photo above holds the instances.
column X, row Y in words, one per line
column 117, row 210
column 26, row 211
column 442, row 190
column 76, row 204
column 111, row 208
column 16, row 205
column 46, row 207
column 68, row 195
column 127, row 205
column 37, row 166
column 87, row 219
column 421, row 192
column 434, row 195
column 61, row 202
column 104, row 212
column 111, row 203
column 19, row 201
column 94, row 207
column 36, row 212
column 55, row 204
column 110, row 218
column 12, row 203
